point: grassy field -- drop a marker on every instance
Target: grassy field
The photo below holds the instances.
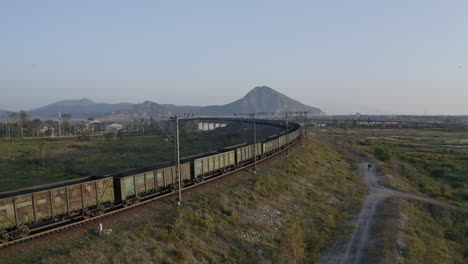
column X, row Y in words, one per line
column 435, row 235
column 26, row 163
column 415, row 232
column 287, row 213
column 434, row 162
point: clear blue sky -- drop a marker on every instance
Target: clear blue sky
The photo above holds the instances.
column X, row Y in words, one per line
column 394, row 56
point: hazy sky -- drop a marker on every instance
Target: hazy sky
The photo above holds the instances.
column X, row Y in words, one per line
column 375, row 56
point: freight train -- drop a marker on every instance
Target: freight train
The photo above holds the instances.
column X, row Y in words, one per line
column 25, row 210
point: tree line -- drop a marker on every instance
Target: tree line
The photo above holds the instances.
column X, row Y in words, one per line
column 21, row 125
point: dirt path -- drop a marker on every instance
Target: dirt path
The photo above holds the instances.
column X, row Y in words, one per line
column 353, row 249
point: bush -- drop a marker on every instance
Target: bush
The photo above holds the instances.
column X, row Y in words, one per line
column 383, row 153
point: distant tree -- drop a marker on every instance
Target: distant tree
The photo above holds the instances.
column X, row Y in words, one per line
column 36, row 126
column 65, row 119
column 49, row 122
column 51, row 125
column 23, row 117
column 13, row 117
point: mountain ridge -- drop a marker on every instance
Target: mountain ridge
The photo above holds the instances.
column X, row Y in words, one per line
column 82, row 108
column 259, row 99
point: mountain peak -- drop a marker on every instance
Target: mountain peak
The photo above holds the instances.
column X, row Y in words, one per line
column 259, row 99
column 266, row 99
column 261, row 90
column 86, row 101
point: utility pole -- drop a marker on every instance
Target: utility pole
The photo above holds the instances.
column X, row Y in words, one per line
column 287, row 136
column 255, row 145
column 305, row 125
column 178, row 159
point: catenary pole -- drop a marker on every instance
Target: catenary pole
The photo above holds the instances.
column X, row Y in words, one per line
column 255, row 145
column 305, row 125
column 178, row 159
column 287, row 136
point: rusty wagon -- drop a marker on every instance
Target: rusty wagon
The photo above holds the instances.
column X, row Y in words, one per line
column 132, row 186
column 212, row 165
column 25, row 209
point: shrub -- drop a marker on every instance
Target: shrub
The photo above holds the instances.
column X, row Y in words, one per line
column 383, row 153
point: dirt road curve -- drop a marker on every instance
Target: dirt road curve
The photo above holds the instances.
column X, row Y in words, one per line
column 361, row 241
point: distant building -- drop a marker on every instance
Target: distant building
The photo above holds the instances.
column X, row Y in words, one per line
column 46, row 128
column 114, row 127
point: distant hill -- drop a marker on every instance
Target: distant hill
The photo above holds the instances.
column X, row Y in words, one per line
column 82, row 108
column 154, row 109
column 260, row 99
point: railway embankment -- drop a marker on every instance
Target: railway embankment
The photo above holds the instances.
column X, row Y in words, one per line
column 288, row 212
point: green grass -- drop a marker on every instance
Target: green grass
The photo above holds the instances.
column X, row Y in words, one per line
column 25, row 163
column 435, row 235
column 287, row 213
column 435, row 162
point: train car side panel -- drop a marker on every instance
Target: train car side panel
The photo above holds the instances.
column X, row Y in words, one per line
column 281, row 141
column 167, row 176
column 140, row 185
column 216, row 165
column 210, row 163
column 222, row 163
column 185, row 172
column 105, row 191
column 7, row 213
column 249, row 150
column 59, row 201
column 74, row 198
column 24, row 209
column 128, row 187
column 159, row 177
column 205, row 166
column 89, row 194
column 198, row 168
column 239, row 155
column 149, row 181
column 43, row 205
column 232, row 158
column 258, row 149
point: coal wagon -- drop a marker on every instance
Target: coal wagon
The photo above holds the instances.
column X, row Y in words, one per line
column 270, row 146
column 25, row 209
column 132, row 186
column 212, row 165
column 245, row 154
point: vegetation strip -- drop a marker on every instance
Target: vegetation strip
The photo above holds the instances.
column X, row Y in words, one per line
column 426, row 217
column 288, row 211
column 148, row 199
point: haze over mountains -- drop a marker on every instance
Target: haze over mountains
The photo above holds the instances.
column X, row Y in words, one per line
column 4, row 114
column 82, row 108
column 259, row 99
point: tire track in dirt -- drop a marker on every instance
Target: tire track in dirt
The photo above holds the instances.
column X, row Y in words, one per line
column 361, row 241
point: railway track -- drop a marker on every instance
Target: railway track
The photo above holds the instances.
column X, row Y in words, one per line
column 79, row 221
